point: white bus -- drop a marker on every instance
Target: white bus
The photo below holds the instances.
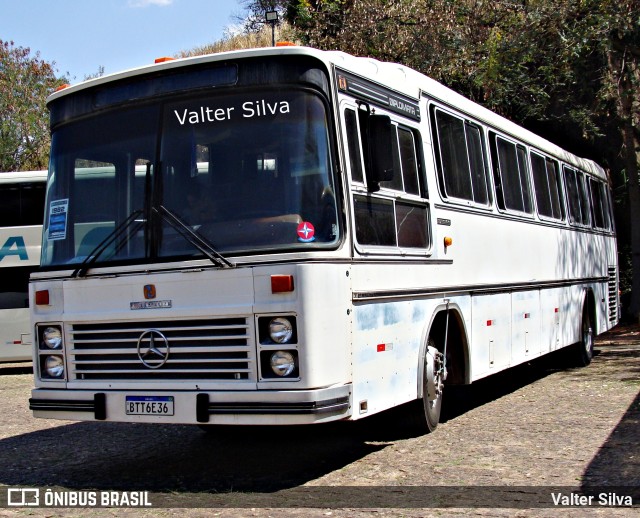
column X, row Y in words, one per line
column 315, row 237
column 21, row 215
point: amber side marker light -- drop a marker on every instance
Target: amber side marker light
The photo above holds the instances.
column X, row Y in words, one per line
column 285, row 44
column 281, row 283
column 164, row 59
column 62, row 87
column 42, row 297
column 448, row 241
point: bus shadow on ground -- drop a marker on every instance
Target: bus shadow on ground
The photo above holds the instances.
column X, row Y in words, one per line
column 395, row 424
column 185, row 459
column 617, row 463
column 176, row 458
column 14, row 369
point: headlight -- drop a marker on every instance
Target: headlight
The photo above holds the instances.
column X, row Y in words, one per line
column 54, row 366
column 280, row 330
column 52, row 337
column 282, row 363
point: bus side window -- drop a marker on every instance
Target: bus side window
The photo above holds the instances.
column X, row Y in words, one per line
column 22, row 204
column 599, row 204
column 353, row 143
column 10, row 203
column 578, row 199
column 396, row 182
column 396, row 222
column 546, row 183
column 585, row 202
column 374, row 221
column 511, row 173
column 409, row 161
column 572, row 194
column 460, row 158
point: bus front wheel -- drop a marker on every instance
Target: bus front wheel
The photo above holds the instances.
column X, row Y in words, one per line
column 422, row 415
column 432, row 387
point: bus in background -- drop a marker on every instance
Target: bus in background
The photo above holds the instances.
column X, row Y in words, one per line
column 291, row 236
column 21, row 214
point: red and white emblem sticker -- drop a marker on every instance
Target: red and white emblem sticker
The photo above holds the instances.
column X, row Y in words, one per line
column 306, row 232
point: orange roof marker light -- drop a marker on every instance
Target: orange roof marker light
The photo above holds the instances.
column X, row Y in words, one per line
column 285, row 44
column 62, row 87
column 164, row 59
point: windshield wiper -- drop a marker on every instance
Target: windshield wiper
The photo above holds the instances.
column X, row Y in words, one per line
column 192, row 237
column 93, row 256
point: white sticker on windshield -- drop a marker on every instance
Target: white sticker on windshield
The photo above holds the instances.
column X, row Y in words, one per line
column 58, row 210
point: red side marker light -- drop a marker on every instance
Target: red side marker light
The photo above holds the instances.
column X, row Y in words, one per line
column 164, row 59
column 42, row 297
column 281, row 283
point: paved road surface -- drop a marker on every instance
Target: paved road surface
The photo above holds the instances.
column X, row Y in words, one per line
column 516, row 438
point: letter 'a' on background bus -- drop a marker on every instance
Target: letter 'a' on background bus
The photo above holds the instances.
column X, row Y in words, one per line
column 292, row 236
column 21, row 215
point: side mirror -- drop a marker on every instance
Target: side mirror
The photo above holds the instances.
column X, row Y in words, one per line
column 380, row 155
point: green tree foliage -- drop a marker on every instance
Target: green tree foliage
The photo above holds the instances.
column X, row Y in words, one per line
column 566, row 69
column 25, row 83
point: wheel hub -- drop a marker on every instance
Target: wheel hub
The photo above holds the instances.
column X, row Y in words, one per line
column 435, row 373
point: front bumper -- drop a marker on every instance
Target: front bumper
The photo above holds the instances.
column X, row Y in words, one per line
column 199, row 407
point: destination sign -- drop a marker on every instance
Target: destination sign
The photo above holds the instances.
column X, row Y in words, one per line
column 376, row 94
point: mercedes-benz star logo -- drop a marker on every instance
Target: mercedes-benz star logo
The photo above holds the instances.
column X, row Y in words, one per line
column 156, row 353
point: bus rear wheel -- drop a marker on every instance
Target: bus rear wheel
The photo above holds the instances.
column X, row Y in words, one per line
column 583, row 350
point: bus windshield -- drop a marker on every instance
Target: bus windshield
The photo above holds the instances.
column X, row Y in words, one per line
column 247, row 172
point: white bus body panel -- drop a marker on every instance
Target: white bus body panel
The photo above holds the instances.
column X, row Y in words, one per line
column 17, row 344
column 20, row 247
column 320, row 302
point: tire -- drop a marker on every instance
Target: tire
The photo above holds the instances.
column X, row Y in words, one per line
column 583, row 350
column 424, row 413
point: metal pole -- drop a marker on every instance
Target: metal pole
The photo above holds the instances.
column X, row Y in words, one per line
column 272, row 18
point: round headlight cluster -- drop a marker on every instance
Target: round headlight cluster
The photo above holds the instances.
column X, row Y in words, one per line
column 280, row 330
column 54, row 366
column 52, row 337
column 283, row 363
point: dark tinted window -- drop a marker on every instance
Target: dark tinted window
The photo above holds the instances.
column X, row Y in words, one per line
column 511, row 176
column 577, row 197
column 546, row 182
column 461, row 161
column 21, row 204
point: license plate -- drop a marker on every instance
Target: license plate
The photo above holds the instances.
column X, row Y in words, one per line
column 148, row 405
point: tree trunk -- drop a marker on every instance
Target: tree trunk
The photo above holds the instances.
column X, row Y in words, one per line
column 623, row 66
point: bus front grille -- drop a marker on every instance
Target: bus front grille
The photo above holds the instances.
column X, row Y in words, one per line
column 212, row 349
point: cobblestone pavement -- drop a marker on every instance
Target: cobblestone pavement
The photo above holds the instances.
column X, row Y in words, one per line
column 517, row 437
